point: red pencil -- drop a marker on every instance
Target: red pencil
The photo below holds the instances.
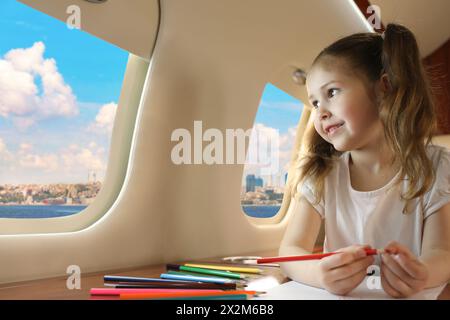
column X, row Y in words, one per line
column 369, row 252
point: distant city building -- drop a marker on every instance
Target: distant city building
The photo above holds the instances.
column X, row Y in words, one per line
column 250, row 183
column 259, row 182
column 92, row 177
column 29, row 200
column 269, row 181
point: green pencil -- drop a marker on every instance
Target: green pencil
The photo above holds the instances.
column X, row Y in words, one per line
column 212, row 272
column 241, row 282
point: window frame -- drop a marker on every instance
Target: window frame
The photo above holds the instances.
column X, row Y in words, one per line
column 302, row 125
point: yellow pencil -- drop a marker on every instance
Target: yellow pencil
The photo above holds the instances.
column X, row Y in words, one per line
column 226, row 268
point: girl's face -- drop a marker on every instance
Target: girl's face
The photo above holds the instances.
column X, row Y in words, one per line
column 344, row 113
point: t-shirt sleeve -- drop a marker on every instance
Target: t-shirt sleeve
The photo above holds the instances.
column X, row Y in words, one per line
column 439, row 195
column 306, row 189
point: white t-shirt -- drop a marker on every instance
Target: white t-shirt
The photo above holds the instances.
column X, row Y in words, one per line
column 375, row 217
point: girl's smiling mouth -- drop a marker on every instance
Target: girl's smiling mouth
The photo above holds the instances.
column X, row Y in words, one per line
column 331, row 131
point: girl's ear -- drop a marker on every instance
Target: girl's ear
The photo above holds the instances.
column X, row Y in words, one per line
column 382, row 87
column 385, row 86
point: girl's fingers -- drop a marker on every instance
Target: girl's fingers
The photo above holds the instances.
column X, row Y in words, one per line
column 344, row 286
column 395, row 282
column 413, row 267
column 387, row 287
column 394, row 247
column 345, row 256
column 392, row 264
column 350, row 269
column 355, row 247
column 336, row 260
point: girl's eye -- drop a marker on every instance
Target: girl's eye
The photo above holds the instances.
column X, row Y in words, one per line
column 332, row 92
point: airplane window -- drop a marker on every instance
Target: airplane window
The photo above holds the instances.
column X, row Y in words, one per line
column 59, row 89
column 269, row 153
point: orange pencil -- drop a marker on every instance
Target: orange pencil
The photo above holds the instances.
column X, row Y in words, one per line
column 127, row 296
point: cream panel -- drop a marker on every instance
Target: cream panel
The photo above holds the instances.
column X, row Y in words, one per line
column 130, row 25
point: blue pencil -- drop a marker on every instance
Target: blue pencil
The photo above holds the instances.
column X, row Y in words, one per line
column 134, row 279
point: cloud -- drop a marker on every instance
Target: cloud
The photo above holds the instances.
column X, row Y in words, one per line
column 22, row 99
column 263, row 150
column 284, row 142
column 104, row 120
column 26, row 158
column 33, row 93
column 46, row 162
column 78, row 158
column 25, row 148
column 72, row 163
column 5, row 155
column 2, row 146
column 287, row 141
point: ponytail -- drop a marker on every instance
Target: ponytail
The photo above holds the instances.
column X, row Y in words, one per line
column 407, row 111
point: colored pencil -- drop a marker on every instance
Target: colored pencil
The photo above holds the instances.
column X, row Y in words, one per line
column 225, row 268
column 117, row 292
column 185, row 273
column 134, row 279
column 220, row 273
column 104, row 297
column 369, row 252
column 185, row 277
column 222, row 297
column 184, row 294
column 173, row 285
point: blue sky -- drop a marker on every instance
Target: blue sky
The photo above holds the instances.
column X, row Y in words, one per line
column 56, row 113
column 278, row 109
column 92, row 67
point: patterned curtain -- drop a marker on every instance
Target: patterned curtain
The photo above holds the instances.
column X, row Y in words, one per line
column 437, row 65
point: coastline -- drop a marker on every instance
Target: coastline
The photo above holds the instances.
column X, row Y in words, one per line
column 262, row 205
column 43, row 205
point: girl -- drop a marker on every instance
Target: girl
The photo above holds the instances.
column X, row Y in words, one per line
column 370, row 171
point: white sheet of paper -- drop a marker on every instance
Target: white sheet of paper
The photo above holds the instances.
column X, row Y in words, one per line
column 293, row 290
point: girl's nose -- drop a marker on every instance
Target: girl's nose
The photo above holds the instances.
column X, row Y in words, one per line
column 324, row 114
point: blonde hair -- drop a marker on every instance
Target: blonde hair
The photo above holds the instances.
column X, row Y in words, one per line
column 407, row 111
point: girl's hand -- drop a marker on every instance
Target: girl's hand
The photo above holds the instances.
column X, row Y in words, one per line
column 402, row 274
column 341, row 273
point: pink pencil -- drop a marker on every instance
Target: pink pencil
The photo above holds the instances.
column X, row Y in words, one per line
column 118, row 292
column 369, row 252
